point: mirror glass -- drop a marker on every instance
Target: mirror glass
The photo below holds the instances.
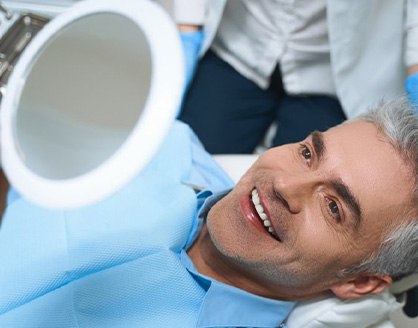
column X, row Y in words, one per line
column 83, row 95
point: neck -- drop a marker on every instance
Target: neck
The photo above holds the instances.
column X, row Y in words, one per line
column 211, row 263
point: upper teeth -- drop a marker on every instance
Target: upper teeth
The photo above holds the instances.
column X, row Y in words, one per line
column 260, row 210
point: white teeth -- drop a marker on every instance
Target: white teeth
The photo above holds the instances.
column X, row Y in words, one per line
column 260, row 211
column 259, row 208
column 267, row 223
column 255, row 197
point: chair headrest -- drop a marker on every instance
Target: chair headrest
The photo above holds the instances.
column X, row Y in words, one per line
column 404, row 284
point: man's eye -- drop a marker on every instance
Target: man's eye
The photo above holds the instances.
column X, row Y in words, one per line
column 306, row 153
column 334, row 209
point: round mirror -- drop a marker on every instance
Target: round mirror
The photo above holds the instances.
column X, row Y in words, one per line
column 90, row 101
column 83, row 96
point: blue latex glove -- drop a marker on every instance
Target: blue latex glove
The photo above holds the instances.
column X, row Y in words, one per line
column 191, row 42
column 411, row 87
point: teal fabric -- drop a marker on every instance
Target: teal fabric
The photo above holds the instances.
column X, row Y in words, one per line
column 118, row 263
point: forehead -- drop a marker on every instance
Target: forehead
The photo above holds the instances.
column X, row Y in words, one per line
column 376, row 173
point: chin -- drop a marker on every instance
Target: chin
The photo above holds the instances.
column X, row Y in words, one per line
column 228, row 233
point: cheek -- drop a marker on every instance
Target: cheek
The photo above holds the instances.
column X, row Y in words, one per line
column 222, row 222
column 247, row 179
column 319, row 245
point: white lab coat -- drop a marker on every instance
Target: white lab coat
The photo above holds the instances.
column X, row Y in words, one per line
column 369, row 51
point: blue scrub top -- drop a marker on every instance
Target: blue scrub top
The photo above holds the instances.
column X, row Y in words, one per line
column 122, row 262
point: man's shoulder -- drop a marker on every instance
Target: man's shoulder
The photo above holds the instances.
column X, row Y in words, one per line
column 183, row 156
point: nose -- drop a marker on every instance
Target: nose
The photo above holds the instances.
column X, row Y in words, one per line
column 294, row 190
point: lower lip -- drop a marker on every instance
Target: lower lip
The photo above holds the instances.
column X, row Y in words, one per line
column 248, row 210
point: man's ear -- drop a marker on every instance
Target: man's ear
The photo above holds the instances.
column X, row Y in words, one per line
column 361, row 285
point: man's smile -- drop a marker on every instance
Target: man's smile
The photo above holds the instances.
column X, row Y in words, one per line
column 253, row 211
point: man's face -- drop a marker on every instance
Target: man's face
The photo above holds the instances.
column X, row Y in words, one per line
column 329, row 201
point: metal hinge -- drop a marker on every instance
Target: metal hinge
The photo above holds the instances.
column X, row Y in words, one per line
column 19, row 29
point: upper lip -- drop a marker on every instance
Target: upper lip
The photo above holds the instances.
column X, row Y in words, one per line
column 281, row 199
column 277, row 209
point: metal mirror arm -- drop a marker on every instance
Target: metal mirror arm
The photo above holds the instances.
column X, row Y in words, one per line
column 20, row 28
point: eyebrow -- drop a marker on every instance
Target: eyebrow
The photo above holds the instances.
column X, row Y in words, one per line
column 344, row 192
column 318, row 144
column 338, row 185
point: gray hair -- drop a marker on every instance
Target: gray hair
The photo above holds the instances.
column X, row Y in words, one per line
column 398, row 254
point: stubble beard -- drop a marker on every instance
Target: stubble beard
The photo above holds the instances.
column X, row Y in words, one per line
column 238, row 253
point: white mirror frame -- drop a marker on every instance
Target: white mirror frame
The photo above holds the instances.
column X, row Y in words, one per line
column 158, row 113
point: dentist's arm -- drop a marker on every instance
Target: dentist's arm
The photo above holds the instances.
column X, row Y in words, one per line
column 411, row 86
column 191, row 41
column 190, row 16
column 411, row 52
